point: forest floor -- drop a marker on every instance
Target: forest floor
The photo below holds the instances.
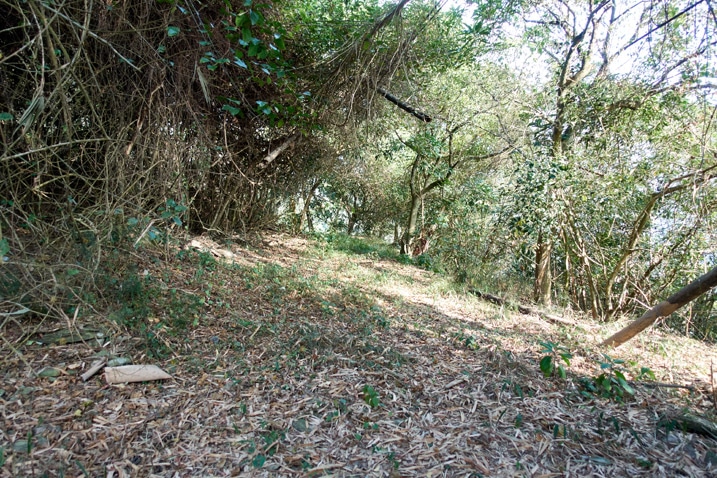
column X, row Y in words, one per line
column 295, row 357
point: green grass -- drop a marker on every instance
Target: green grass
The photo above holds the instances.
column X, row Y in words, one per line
column 363, row 246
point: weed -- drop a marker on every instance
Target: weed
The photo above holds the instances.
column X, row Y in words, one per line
column 646, row 374
column 370, row 396
column 467, row 340
column 644, row 463
column 370, row 426
column 519, row 420
column 611, row 383
column 550, row 364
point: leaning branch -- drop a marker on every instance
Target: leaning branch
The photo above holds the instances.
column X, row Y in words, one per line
column 685, row 295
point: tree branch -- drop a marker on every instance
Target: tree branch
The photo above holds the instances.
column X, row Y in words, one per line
column 275, row 153
column 418, row 114
column 683, row 296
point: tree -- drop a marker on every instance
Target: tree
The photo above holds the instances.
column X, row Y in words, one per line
column 579, row 41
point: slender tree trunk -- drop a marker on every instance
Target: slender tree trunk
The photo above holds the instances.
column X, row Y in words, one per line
column 685, row 295
column 352, row 217
column 641, row 223
column 351, row 224
column 581, row 251
column 309, row 222
column 542, row 290
column 304, row 216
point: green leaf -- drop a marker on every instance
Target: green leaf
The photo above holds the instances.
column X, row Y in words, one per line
column 172, row 31
column 566, row 358
column 626, row 386
column 518, row 420
column 622, row 381
column 4, row 247
column 233, row 110
column 300, row 425
column 246, row 35
column 239, row 62
column 561, row 372
column 161, row 49
column 258, row 461
column 279, row 42
column 645, row 372
column 5, row 116
column 21, row 446
column 546, row 366
column 370, row 396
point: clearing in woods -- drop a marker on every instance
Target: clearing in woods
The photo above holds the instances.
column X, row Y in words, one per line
column 295, row 357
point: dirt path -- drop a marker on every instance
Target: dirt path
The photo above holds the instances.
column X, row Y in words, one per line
column 305, row 362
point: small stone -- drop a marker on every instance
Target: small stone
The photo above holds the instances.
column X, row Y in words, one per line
column 300, row 425
column 119, row 361
column 20, row 446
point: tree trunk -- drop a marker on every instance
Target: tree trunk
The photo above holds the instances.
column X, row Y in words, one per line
column 304, row 216
column 685, row 295
column 353, row 217
column 309, row 222
column 542, row 287
column 641, row 223
column 412, row 221
column 351, row 224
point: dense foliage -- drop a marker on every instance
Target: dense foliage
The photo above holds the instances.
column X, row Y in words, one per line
column 561, row 151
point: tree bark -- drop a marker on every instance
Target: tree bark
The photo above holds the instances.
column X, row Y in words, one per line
column 542, row 287
column 412, row 221
column 685, row 295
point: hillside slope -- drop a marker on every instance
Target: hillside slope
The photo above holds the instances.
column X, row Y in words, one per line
column 301, row 358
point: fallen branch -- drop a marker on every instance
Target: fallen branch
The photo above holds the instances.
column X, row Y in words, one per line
column 689, row 424
column 521, row 308
column 662, row 385
column 96, row 367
